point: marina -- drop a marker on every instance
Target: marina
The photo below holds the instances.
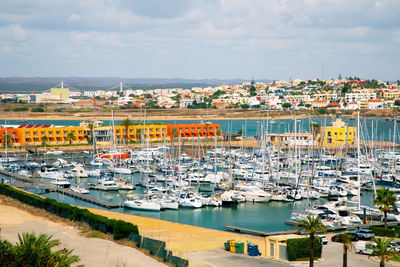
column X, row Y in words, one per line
column 214, row 184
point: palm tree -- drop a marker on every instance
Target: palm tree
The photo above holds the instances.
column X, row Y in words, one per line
column 126, row 123
column 91, row 130
column 35, row 250
column 380, row 249
column 386, row 200
column 44, row 140
column 7, row 138
column 311, row 225
column 139, row 132
column 347, row 246
column 70, row 137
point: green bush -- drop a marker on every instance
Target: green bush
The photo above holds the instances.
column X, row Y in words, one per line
column 17, row 109
column 123, row 229
column 38, row 109
column 388, row 232
column 120, row 229
column 299, row 248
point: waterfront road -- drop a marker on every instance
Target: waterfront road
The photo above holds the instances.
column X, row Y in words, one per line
column 332, row 257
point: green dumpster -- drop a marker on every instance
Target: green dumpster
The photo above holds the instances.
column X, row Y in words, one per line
column 239, row 247
column 227, row 245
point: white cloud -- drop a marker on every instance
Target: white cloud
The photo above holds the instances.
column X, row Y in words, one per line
column 74, row 17
column 200, row 38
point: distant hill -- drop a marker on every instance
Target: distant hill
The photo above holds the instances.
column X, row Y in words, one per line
column 40, row 84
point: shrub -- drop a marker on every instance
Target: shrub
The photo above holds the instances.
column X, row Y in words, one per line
column 20, row 109
column 120, row 229
column 388, row 232
column 123, row 229
column 299, row 248
column 38, row 109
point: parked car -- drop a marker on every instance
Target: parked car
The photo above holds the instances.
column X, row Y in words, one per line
column 339, row 237
column 323, row 239
column 364, row 234
column 362, row 247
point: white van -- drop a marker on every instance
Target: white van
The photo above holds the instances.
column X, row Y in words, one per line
column 362, row 248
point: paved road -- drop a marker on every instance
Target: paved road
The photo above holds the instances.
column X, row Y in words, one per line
column 332, row 254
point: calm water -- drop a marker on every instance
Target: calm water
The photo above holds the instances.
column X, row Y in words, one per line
column 267, row 217
column 372, row 127
column 258, row 216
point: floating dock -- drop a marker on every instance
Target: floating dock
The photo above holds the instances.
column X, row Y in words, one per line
column 296, row 231
column 34, row 183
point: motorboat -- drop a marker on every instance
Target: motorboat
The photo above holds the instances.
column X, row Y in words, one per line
column 253, row 193
column 232, row 198
column 79, row 189
column 189, row 200
column 121, row 170
column 54, row 152
column 93, row 173
column 60, row 182
column 50, row 173
column 107, row 185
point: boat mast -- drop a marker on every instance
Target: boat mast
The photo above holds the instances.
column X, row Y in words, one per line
column 358, row 159
column 6, row 135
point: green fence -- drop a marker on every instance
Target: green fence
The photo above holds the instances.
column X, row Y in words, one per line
column 157, row 249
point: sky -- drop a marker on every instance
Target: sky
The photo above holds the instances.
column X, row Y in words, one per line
column 223, row 39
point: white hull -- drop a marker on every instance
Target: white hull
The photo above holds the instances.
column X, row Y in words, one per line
column 142, row 205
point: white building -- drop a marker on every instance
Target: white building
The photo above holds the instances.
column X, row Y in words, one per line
column 356, row 97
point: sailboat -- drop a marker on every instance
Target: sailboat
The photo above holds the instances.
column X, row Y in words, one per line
column 7, row 159
column 113, row 153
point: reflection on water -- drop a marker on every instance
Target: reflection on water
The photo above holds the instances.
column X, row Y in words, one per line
column 267, row 217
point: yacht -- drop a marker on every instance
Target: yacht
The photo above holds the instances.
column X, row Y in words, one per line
column 189, row 200
column 79, row 189
column 107, row 185
column 253, row 193
column 232, row 198
column 60, row 182
column 50, row 173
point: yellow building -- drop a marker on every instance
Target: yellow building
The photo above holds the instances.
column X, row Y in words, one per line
column 154, row 132
column 276, row 246
column 338, row 134
column 60, row 93
column 55, row 135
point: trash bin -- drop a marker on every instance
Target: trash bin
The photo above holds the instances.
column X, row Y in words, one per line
column 227, row 245
column 252, row 250
column 232, row 246
column 239, row 247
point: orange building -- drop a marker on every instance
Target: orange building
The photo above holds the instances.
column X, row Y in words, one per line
column 12, row 136
column 193, row 130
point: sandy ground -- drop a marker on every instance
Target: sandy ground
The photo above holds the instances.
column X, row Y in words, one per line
column 92, row 251
column 180, row 114
column 182, row 238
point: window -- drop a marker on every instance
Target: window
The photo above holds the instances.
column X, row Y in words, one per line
column 58, row 132
column 349, row 133
column 79, row 132
column 34, row 133
column 27, row 134
column 42, row 133
column 65, row 132
column 50, row 133
column 329, row 134
column 117, row 131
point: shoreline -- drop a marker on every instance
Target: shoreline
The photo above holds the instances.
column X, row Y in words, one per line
column 187, row 115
